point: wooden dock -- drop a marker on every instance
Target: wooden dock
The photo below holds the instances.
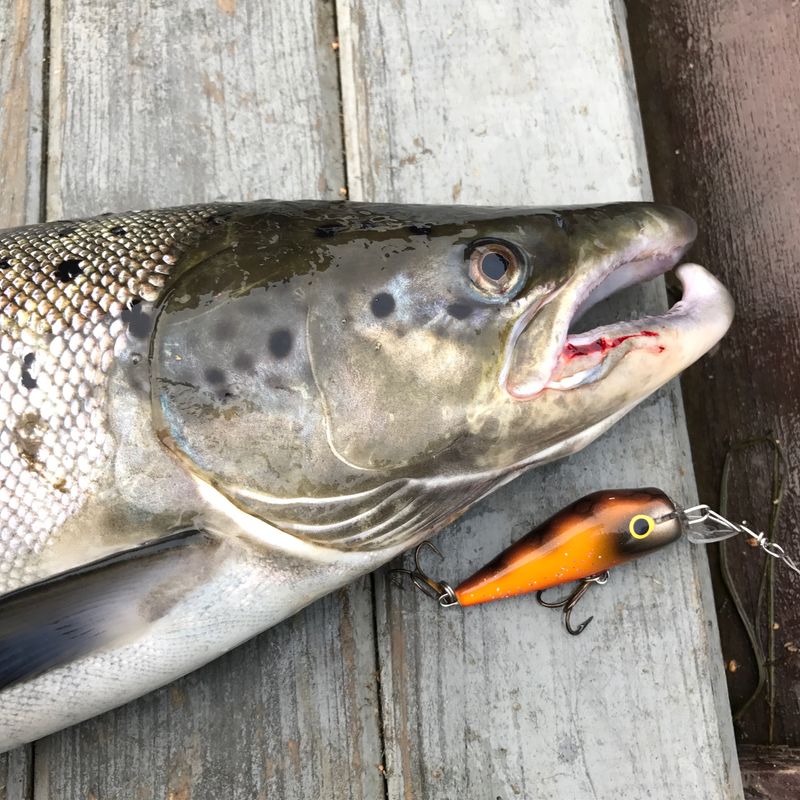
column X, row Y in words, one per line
column 374, row 692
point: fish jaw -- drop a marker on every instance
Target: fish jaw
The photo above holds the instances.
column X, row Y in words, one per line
column 661, row 346
column 545, row 357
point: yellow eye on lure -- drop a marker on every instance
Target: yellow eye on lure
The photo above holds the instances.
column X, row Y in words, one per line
column 641, row 526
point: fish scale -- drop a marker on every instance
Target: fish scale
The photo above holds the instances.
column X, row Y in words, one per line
column 65, row 288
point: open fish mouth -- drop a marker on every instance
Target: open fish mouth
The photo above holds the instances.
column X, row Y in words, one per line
column 673, row 340
column 587, row 357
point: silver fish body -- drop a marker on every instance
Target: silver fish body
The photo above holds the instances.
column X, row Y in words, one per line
column 213, row 415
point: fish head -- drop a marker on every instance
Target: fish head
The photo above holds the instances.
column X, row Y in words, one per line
column 429, row 347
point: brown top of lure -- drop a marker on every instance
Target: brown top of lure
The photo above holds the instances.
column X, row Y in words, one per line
column 592, row 535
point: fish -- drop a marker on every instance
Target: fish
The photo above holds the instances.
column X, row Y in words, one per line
column 213, row 415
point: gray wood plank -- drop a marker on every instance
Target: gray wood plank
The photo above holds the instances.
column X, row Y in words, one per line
column 21, row 54
column 161, row 103
column 21, row 82
column 16, row 775
column 533, row 102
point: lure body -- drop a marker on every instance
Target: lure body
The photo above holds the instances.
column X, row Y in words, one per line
column 588, row 537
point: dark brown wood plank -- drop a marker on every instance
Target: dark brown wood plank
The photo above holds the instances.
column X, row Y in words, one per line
column 717, row 81
column 770, row 773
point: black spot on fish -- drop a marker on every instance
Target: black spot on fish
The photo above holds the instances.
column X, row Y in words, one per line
column 68, row 270
column 118, row 230
column 329, row 229
column 139, row 322
column 244, row 362
column 66, row 231
column 4, row 264
column 421, row 229
column 215, row 375
column 382, row 305
column 280, row 343
column 459, row 310
column 28, row 381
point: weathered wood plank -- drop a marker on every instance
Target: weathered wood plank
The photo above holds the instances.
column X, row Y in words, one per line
column 21, row 80
column 720, row 111
column 22, row 25
column 16, row 775
column 534, row 103
column 156, row 104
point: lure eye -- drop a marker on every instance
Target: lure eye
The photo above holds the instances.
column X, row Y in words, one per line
column 494, row 267
column 641, row 526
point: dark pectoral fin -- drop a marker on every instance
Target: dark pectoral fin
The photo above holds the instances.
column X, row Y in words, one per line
column 71, row 614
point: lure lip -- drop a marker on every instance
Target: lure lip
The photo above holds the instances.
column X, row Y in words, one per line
column 688, row 329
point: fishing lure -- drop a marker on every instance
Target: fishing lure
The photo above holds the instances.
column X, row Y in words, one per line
column 583, row 542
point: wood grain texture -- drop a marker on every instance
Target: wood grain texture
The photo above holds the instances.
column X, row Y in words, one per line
column 532, row 103
column 16, row 775
column 154, row 103
column 770, row 773
column 21, row 54
column 21, row 84
column 721, row 109
column 157, row 104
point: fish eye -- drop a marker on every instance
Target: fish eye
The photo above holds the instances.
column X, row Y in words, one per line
column 495, row 268
column 641, row 526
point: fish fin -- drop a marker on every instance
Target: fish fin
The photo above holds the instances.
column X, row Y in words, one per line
column 71, row 614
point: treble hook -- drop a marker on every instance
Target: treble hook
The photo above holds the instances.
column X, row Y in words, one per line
column 571, row 601
column 438, row 590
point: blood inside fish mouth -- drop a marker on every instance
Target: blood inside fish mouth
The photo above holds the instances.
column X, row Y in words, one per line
column 582, row 363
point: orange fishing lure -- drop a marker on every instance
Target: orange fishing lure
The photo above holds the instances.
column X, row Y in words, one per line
column 582, row 542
